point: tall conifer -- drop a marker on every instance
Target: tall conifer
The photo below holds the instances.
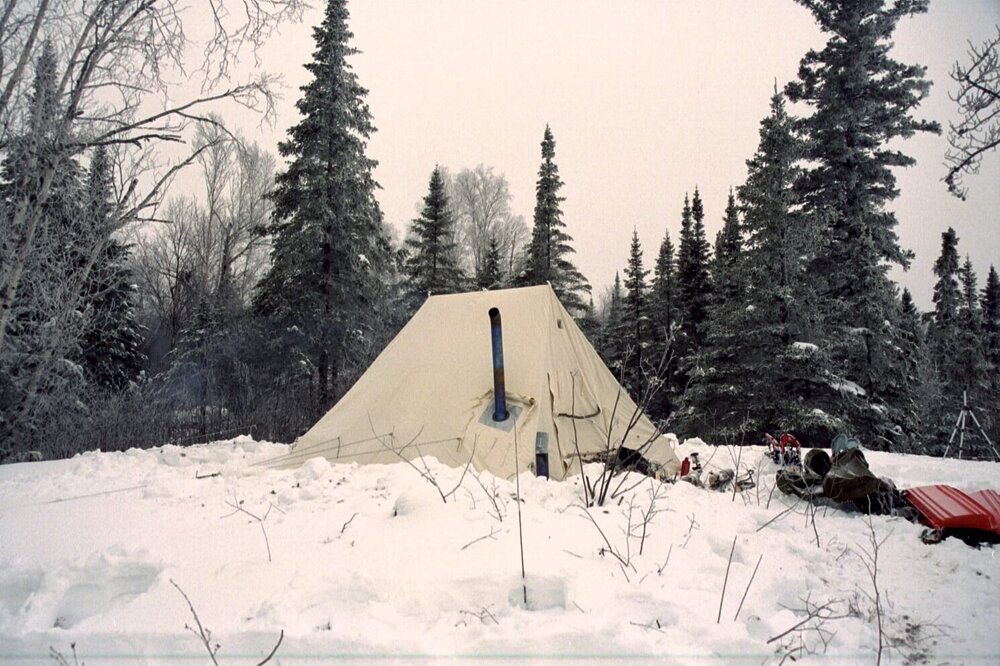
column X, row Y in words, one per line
column 549, row 249
column 861, row 100
column 693, row 279
column 635, row 321
column 663, row 327
column 330, row 250
column 432, row 266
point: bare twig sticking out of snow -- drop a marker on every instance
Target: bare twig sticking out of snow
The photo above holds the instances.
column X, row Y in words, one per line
column 818, row 616
column 237, row 505
column 747, row 590
column 622, row 560
column 659, row 569
column 492, row 535
column 780, row 515
column 725, row 580
column 767, row 505
column 274, row 650
column 349, row 521
column 426, row 471
column 736, row 471
column 204, row 634
column 812, row 518
column 651, row 510
column 61, row 659
column 653, row 626
column 868, row 555
column 493, row 495
column 692, row 526
column 618, row 492
column 482, row 615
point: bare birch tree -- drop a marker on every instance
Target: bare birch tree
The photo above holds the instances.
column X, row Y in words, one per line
column 480, row 201
column 978, row 98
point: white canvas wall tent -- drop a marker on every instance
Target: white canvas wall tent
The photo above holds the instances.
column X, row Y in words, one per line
column 430, row 393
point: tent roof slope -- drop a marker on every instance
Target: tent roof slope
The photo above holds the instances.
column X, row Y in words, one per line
column 430, row 393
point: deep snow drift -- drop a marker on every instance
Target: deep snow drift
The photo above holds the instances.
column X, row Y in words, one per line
column 369, row 561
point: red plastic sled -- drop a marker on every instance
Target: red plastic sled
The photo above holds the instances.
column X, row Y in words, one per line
column 945, row 507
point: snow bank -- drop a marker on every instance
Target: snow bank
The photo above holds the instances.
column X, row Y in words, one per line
column 369, row 561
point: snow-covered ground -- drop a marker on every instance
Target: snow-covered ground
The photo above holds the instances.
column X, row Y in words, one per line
column 369, row 562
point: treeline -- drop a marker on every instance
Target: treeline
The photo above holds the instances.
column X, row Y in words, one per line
column 791, row 322
column 255, row 304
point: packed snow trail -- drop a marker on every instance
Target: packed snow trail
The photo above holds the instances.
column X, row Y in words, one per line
column 369, row 562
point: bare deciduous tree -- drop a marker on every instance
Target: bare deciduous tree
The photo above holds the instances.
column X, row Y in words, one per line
column 109, row 86
column 978, row 98
column 212, row 249
column 480, row 201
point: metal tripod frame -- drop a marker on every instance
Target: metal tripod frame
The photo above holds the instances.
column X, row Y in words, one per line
column 959, row 429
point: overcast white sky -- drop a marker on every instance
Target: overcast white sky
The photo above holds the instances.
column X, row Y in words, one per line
column 646, row 99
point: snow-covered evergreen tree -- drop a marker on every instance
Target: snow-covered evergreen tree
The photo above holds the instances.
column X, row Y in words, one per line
column 664, row 318
column 612, row 347
column 971, row 357
column 431, row 266
column 693, row 288
column 491, row 276
column 921, row 387
column 861, row 100
column 663, row 293
column 762, row 370
column 39, row 380
column 719, row 368
column 590, row 324
column 943, row 330
column 110, row 346
column 727, row 273
column 635, row 326
column 330, row 249
column 990, row 304
column 549, row 249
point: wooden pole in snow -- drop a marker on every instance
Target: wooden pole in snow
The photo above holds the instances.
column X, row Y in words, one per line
column 520, row 529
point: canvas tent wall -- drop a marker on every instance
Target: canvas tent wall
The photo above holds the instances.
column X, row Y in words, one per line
column 430, row 393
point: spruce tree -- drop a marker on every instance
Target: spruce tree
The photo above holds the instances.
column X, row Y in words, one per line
column 39, row 382
column 432, row 267
column 491, row 275
column 727, row 275
column 590, row 324
column 612, row 347
column 921, row 386
column 943, row 330
column 663, row 304
column 971, row 358
column 861, row 101
column 693, row 279
column 663, row 324
column 635, row 321
column 330, row 250
column 719, row 366
column 990, row 304
column 111, row 342
column 549, row 249
column 763, row 370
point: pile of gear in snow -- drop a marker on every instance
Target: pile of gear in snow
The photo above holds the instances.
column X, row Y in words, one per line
column 843, row 479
